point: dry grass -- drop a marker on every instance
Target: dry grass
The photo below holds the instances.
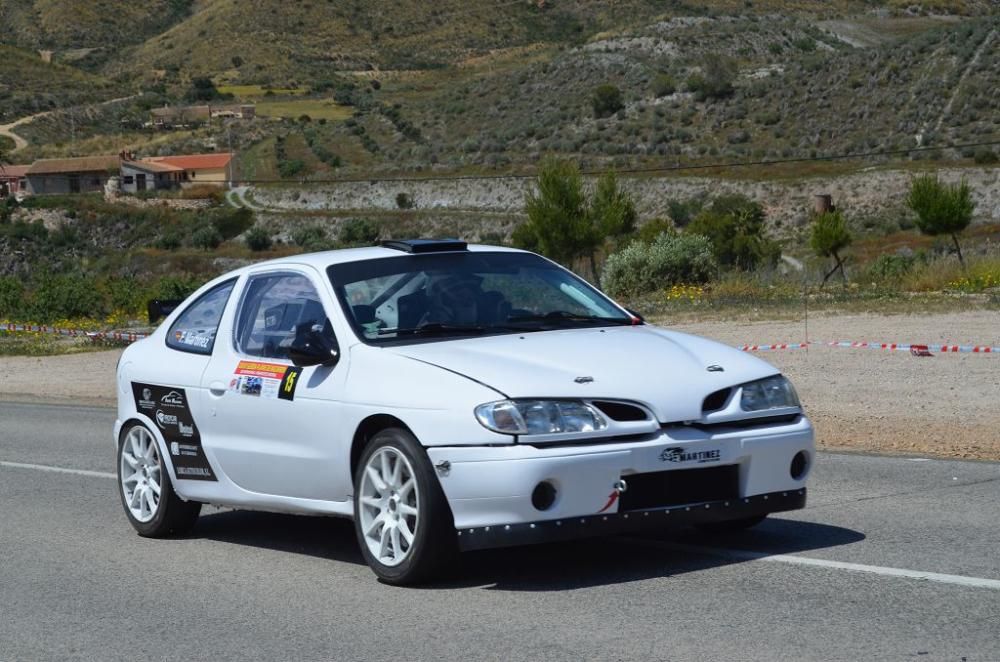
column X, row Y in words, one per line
column 314, row 108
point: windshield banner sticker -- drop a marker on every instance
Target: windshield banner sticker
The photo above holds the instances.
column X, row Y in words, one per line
column 168, row 408
column 265, row 380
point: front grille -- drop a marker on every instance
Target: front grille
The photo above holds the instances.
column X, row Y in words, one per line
column 676, row 488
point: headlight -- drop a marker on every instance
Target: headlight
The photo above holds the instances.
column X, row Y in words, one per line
column 539, row 416
column 771, row 393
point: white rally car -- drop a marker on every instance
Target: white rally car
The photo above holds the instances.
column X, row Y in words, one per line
column 447, row 397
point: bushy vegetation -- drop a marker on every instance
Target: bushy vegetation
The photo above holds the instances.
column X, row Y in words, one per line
column 565, row 223
column 258, row 239
column 735, row 227
column 359, row 232
column 829, row 238
column 49, row 298
column 607, row 101
column 671, row 259
column 941, row 208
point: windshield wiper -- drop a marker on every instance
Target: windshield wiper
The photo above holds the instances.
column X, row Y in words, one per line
column 433, row 328
column 557, row 316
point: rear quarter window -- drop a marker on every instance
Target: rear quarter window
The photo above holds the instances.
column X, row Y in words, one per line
column 195, row 329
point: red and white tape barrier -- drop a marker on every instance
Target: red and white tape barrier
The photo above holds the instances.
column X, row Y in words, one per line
column 75, row 333
column 901, row 347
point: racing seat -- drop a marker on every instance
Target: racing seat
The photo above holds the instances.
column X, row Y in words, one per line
column 412, row 308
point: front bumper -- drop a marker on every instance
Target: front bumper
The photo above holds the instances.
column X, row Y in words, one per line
column 491, row 486
column 636, row 521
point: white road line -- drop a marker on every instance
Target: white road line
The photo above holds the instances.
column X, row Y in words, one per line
column 45, row 467
column 744, row 555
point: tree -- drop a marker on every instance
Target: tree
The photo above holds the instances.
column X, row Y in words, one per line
column 715, row 81
column 735, row 226
column 564, row 224
column 258, row 239
column 941, row 208
column 829, row 237
column 558, row 224
column 612, row 211
column 607, row 101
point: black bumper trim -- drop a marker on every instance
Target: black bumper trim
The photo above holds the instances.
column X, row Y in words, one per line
column 527, row 533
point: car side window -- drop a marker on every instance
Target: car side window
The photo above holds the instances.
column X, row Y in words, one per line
column 194, row 329
column 275, row 309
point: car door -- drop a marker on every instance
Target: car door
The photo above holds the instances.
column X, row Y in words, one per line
column 272, row 423
column 167, row 391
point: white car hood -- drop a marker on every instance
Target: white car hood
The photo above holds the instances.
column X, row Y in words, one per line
column 665, row 370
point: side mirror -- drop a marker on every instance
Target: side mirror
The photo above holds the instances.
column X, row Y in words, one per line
column 313, row 348
column 636, row 315
column 157, row 308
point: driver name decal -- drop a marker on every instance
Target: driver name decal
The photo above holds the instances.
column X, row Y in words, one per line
column 168, row 408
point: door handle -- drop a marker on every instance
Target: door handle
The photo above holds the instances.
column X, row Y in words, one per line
column 217, row 388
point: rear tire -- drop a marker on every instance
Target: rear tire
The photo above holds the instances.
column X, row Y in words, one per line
column 732, row 525
column 401, row 516
column 147, row 495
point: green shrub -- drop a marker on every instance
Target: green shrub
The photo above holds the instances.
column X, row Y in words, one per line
column 986, row 156
column 607, row 100
column 290, row 168
column 311, row 238
column 828, row 238
column 359, row 232
column 258, row 239
column 174, row 287
column 715, row 80
column 66, row 297
column 206, row 237
column 890, row 267
column 651, row 230
column 404, row 201
column 12, row 299
column 671, row 259
column 231, row 223
column 663, row 85
column 735, row 226
column 168, row 241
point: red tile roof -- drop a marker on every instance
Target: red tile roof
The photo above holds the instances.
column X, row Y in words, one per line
column 13, row 171
column 152, row 166
column 195, row 161
column 81, row 164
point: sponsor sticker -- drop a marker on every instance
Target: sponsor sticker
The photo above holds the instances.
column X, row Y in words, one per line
column 265, row 380
column 679, row 455
column 168, row 407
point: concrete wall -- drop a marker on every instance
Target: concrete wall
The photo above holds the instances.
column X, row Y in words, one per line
column 89, row 182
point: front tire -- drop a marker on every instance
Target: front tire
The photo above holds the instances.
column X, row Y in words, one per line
column 151, row 505
column 401, row 516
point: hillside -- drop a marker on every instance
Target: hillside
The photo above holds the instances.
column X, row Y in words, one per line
column 28, row 85
column 90, row 32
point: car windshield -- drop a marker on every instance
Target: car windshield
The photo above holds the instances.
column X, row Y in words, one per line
column 416, row 298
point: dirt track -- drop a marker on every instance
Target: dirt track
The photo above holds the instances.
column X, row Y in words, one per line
column 868, row 400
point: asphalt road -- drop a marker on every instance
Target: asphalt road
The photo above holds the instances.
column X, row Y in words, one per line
column 837, row 581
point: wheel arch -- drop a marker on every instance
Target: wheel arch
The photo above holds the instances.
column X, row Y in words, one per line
column 366, row 431
column 161, row 444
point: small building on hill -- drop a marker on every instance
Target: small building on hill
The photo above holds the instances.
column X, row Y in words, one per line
column 216, row 169
column 12, row 179
column 85, row 174
column 143, row 175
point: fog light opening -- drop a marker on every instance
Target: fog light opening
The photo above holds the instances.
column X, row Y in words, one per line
column 544, row 495
column 800, row 464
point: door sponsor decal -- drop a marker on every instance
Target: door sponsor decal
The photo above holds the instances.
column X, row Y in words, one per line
column 265, row 380
column 680, row 455
column 168, row 408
